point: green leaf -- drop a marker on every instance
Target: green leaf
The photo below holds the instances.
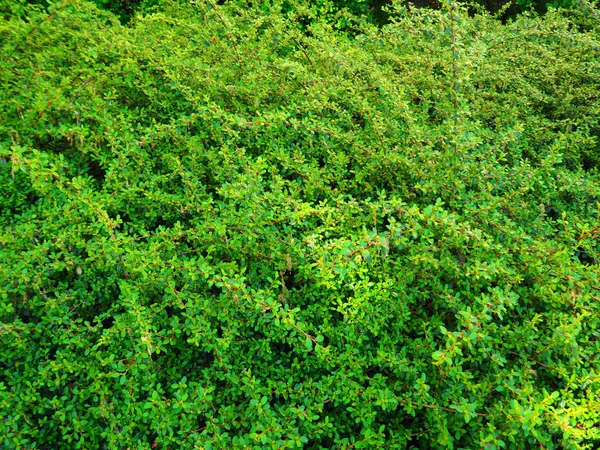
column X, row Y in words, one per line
column 308, row 344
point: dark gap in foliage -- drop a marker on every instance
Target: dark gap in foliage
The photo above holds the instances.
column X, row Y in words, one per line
column 292, row 280
column 201, row 422
column 323, row 442
column 552, row 213
column 25, row 314
column 215, row 291
column 48, row 143
column 359, row 119
column 156, row 223
column 588, row 163
column 153, row 440
column 584, row 256
column 97, row 172
column 108, row 321
column 171, row 311
column 335, row 317
column 281, row 347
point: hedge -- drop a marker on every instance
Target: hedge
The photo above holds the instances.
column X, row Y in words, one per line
column 221, row 230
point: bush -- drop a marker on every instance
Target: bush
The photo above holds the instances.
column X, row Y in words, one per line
column 218, row 231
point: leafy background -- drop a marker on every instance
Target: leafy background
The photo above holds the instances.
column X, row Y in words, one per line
column 238, row 226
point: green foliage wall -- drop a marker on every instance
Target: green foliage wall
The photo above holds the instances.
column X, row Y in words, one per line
column 219, row 232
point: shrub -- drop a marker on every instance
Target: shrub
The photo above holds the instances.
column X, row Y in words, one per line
column 218, row 231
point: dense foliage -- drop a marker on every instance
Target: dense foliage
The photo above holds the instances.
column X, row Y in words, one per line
column 338, row 11
column 218, row 230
